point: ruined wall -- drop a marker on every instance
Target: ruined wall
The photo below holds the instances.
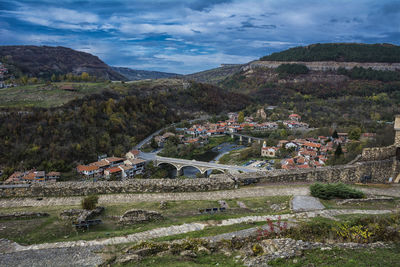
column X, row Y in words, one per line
column 397, row 129
column 379, row 170
column 327, row 65
column 61, row 189
column 378, row 153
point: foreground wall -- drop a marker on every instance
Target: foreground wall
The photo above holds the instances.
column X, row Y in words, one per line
column 61, row 189
column 379, row 170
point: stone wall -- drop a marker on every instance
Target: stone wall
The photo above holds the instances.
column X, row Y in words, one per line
column 379, row 170
column 378, row 153
column 61, row 189
column 397, row 129
column 327, row 65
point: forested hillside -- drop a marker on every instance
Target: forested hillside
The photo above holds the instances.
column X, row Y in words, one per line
column 110, row 123
column 136, row 75
column 44, row 61
column 346, row 52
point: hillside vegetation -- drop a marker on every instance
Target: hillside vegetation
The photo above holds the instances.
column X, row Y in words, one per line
column 214, row 76
column 135, row 75
column 109, row 122
column 345, row 52
column 44, row 61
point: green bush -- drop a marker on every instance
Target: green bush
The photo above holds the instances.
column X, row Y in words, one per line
column 339, row 190
column 90, row 202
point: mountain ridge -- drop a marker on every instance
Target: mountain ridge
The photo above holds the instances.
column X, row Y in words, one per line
column 44, row 61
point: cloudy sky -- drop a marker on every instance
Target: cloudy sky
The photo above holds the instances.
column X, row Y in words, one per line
column 186, row 36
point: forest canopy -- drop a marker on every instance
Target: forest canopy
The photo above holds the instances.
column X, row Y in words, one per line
column 341, row 52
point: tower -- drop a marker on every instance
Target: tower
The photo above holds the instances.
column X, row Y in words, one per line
column 397, row 130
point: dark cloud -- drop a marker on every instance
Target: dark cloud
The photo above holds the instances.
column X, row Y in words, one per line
column 191, row 35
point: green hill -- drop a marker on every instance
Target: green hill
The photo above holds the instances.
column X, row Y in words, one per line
column 341, row 52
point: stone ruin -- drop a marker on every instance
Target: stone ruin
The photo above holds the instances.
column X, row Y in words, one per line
column 138, row 216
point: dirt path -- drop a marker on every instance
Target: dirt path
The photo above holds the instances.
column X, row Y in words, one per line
column 190, row 227
column 259, row 191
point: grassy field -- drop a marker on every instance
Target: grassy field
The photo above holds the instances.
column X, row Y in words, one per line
column 179, row 261
column 40, row 95
column 53, row 229
column 344, row 258
column 378, row 205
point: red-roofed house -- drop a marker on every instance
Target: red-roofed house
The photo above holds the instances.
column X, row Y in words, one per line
column 88, row 170
column 116, row 171
column 295, row 117
column 133, row 154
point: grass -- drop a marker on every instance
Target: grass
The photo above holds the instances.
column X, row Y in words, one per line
column 212, row 231
column 40, row 95
column 344, row 258
column 53, row 229
column 179, row 261
column 375, row 205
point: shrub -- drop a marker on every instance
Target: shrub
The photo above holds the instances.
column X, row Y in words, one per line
column 339, row 190
column 90, row 202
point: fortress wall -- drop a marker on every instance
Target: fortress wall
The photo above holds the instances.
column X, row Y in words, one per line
column 61, row 189
column 379, row 170
column 378, row 153
column 328, row 65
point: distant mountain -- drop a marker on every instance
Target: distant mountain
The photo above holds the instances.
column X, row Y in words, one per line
column 44, row 61
column 341, row 52
column 214, row 76
column 135, row 75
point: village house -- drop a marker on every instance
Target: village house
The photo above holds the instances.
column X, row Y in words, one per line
column 128, row 171
column 88, row 170
column 114, row 161
column 113, row 171
column 53, row 176
column 295, row 117
column 268, row 151
column 137, row 165
column 133, row 154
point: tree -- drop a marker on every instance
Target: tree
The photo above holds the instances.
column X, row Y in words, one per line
column 241, row 117
column 335, row 135
column 53, row 78
column 355, row 133
column 338, row 151
column 90, row 202
column 85, row 76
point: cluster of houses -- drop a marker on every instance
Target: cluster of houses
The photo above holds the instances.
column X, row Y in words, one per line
column 32, row 176
column 119, row 168
column 3, row 71
column 199, row 133
column 310, row 152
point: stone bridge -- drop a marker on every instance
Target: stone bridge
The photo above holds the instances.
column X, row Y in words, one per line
column 249, row 138
column 202, row 166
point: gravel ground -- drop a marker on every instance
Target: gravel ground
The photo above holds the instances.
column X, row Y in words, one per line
column 306, row 203
column 73, row 256
column 258, row 191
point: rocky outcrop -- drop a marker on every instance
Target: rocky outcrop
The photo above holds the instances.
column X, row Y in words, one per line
column 140, row 216
column 326, row 65
column 80, row 215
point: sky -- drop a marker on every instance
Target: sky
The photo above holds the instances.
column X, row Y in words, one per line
column 187, row 36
